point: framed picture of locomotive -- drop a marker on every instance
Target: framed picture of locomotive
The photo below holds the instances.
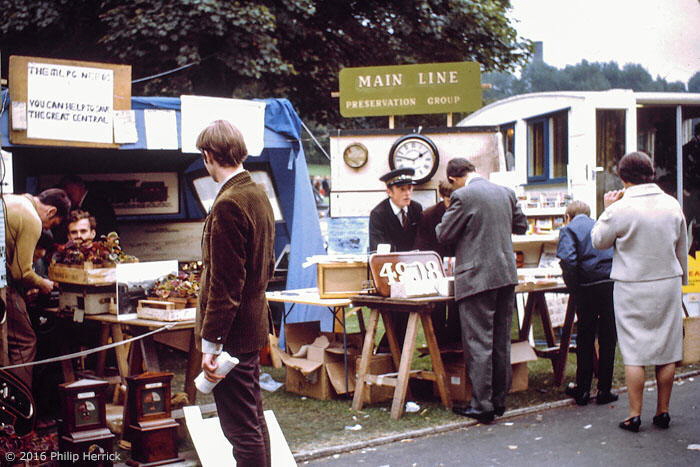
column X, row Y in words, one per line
column 143, row 193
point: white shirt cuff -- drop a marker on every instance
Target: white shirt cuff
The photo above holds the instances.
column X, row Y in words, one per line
column 211, row 347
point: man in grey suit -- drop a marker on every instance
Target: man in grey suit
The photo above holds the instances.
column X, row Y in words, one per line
column 479, row 221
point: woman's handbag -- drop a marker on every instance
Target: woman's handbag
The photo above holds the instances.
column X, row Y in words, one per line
column 691, row 338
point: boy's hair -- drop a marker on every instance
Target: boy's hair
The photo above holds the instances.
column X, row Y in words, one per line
column 224, row 142
column 459, row 167
column 445, row 188
column 636, row 168
column 75, row 216
column 577, row 207
column 57, row 198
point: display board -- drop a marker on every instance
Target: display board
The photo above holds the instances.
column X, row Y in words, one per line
column 66, row 102
column 157, row 241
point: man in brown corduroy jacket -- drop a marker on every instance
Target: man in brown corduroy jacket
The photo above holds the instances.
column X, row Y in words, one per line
column 233, row 315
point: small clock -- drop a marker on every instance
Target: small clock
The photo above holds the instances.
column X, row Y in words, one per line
column 355, row 155
column 148, row 424
column 418, row 152
column 83, row 427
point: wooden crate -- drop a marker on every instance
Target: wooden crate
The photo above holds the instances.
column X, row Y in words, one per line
column 85, row 274
column 179, row 303
column 163, row 311
column 341, row 280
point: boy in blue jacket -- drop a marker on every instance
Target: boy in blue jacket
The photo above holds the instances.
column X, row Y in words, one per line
column 586, row 273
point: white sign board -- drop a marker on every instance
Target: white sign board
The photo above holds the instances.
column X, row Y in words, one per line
column 198, row 112
column 69, row 103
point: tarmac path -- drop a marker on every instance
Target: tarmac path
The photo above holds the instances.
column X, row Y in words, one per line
column 563, row 436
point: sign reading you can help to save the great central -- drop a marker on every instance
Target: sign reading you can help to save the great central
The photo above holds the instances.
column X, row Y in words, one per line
column 66, row 102
column 410, row 89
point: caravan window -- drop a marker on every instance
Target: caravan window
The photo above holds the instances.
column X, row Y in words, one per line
column 547, row 148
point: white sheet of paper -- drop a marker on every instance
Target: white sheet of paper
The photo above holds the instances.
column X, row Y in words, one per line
column 383, row 249
column 214, row 449
column 19, row 116
column 7, row 173
column 70, row 103
column 125, row 127
column 161, row 129
column 198, row 112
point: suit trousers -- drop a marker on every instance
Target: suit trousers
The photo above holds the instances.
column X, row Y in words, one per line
column 239, row 405
column 21, row 338
column 485, row 319
column 596, row 317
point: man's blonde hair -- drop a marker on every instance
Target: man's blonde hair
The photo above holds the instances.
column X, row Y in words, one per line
column 224, row 142
column 577, row 207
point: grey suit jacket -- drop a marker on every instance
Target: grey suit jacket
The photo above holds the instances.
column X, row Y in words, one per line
column 480, row 220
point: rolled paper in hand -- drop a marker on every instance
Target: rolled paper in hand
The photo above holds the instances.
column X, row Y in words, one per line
column 226, row 363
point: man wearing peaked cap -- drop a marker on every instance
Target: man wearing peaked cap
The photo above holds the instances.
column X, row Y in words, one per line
column 395, row 219
column 398, row 177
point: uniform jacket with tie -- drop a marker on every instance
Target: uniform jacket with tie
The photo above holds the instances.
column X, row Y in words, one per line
column 480, row 220
column 385, row 227
column 238, row 257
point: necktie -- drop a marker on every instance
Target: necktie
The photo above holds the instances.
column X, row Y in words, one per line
column 404, row 219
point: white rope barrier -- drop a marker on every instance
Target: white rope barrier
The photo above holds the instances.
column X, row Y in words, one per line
column 89, row 351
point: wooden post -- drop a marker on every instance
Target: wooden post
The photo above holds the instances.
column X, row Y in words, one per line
column 449, row 119
column 391, row 122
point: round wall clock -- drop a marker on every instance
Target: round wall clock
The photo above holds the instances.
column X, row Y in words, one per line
column 355, row 155
column 418, row 152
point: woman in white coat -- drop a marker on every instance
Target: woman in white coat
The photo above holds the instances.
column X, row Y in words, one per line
column 647, row 229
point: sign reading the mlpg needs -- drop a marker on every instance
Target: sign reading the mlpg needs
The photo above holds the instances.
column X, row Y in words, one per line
column 66, row 102
column 410, row 89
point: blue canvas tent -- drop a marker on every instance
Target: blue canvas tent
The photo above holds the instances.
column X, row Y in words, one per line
column 283, row 153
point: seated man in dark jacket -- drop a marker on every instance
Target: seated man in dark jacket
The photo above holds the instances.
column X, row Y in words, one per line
column 586, row 272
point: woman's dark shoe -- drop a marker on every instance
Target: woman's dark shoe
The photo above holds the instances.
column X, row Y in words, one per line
column 631, row 424
column 581, row 398
column 499, row 410
column 663, row 420
column 605, row 397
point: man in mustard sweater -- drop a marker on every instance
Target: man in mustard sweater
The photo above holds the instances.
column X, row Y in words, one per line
column 25, row 216
column 233, row 314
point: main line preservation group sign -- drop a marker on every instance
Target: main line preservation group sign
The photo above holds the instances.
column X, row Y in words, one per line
column 410, row 89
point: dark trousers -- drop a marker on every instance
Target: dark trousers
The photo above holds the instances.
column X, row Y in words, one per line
column 486, row 322
column 239, row 404
column 596, row 317
column 21, row 339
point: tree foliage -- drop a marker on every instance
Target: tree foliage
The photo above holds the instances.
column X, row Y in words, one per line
column 262, row 48
column 694, row 83
column 584, row 76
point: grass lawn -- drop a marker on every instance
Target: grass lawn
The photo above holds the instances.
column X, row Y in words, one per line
column 310, row 424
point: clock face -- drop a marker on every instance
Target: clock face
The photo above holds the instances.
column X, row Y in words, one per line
column 355, row 155
column 417, row 152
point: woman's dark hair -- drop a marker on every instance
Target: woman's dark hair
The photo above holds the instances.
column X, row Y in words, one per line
column 636, row 168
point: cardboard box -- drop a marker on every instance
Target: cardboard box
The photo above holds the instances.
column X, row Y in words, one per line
column 341, row 280
column 520, row 354
column 458, row 383
column 379, row 364
column 85, row 274
column 315, row 364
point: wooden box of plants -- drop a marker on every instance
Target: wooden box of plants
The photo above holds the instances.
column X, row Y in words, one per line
column 89, row 263
column 172, row 298
column 82, row 274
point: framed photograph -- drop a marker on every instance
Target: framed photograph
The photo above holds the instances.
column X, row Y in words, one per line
column 134, row 194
